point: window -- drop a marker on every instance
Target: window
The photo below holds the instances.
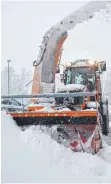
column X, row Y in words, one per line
column 80, row 76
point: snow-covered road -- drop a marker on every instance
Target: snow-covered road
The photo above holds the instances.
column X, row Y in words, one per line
column 32, row 156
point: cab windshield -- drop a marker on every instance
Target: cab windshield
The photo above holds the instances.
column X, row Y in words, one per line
column 80, row 76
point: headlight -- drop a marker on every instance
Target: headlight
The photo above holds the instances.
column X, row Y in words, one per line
column 68, row 64
column 91, row 62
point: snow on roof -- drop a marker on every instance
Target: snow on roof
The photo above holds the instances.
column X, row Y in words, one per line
column 82, row 64
column 71, row 87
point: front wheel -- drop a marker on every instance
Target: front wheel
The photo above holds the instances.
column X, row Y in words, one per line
column 105, row 117
column 105, row 126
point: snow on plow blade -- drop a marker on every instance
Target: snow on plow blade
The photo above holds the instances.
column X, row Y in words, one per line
column 77, row 130
column 74, row 129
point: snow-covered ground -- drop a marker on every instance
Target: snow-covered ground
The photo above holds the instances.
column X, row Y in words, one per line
column 32, row 156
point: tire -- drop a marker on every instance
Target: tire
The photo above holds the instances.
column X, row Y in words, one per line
column 105, row 126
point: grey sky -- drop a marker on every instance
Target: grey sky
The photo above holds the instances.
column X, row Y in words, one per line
column 25, row 23
column 23, row 26
column 91, row 39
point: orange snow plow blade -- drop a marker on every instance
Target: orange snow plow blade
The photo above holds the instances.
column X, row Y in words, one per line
column 62, row 113
column 55, row 118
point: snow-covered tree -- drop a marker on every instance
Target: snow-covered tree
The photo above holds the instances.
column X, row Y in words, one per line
column 23, row 80
column 17, row 82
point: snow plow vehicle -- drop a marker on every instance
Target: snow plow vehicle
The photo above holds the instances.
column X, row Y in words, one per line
column 87, row 75
column 76, row 113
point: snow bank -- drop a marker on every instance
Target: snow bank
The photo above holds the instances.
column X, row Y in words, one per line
column 105, row 153
column 71, row 87
column 110, row 124
column 32, row 156
column 93, row 104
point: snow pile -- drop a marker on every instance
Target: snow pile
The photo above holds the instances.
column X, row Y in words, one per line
column 110, row 113
column 81, row 62
column 71, row 87
column 32, row 156
column 48, row 108
column 93, row 104
column 105, row 153
column 110, row 123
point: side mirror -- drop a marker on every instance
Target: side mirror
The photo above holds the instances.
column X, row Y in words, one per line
column 103, row 66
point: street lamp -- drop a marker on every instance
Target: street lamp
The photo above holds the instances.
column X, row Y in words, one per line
column 8, row 61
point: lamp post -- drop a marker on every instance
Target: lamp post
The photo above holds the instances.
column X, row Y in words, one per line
column 8, row 61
